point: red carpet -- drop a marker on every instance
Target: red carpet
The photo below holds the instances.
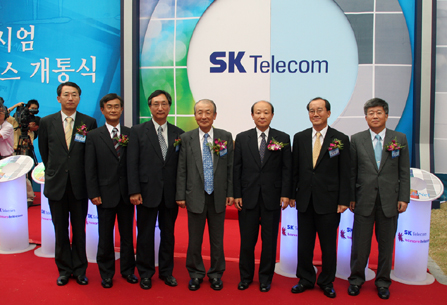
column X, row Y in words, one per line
column 26, row 278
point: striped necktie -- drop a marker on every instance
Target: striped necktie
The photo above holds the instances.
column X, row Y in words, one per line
column 115, row 142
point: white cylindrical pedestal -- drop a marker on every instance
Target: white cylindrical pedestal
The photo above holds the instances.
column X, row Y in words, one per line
column 91, row 233
column 413, row 230
column 288, row 259
column 412, row 243
column 344, row 248
column 14, row 237
column 48, row 240
column 46, row 224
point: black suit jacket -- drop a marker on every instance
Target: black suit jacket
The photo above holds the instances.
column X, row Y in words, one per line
column 106, row 174
column 62, row 162
column 329, row 182
column 272, row 178
column 148, row 174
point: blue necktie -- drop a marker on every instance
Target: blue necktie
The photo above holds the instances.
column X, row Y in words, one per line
column 207, row 166
column 378, row 150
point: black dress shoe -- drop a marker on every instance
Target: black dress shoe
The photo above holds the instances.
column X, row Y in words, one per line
column 194, row 284
column 107, row 283
column 81, row 280
column 62, row 280
column 383, row 293
column 146, row 283
column 353, row 290
column 329, row 292
column 216, row 283
column 243, row 285
column 263, row 287
column 169, row 280
column 298, row 288
column 131, row 278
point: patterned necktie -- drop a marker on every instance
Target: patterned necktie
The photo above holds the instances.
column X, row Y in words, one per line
column 317, row 148
column 161, row 139
column 115, row 142
column 207, row 166
column 262, row 147
column 378, row 150
column 68, row 130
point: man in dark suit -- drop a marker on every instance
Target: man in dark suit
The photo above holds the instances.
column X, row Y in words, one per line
column 62, row 138
column 106, row 168
column 380, row 190
column 321, row 163
column 152, row 169
column 262, row 185
column 205, row 187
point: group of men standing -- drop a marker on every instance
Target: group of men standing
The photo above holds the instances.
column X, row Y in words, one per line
column 158, row 167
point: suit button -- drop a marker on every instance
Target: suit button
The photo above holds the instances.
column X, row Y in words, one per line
column 66, row 170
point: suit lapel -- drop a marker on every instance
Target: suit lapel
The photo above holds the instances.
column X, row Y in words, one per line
column 367, row 144
column 272, row 134
column 171, row 138
column 195, row 148
column 59, row 129
column 327, row 140
column 253, row 146
column 153, row 138
column 385, row 153
column 215, row 157
column 105, row 136
column 308, row 146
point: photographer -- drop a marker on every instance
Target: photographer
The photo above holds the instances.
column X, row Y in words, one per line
column 26, row 129
column 6, row 133
column 26, row 126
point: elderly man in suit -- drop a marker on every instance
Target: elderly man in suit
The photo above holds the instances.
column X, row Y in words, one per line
column 152, row 169
column 262, row 185
column 380, row 190
column 321, row 168
column 205, row 187
column 62, row 138
column 106, row 168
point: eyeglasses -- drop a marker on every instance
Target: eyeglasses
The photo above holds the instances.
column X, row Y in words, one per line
column 163, row 105
column 372, row 113
column 319, row 111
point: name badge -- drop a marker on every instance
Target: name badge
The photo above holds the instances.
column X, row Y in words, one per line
column 177, row 148
column 223, row 152
column 395, row 153
column 80, row 138
column 334, row 152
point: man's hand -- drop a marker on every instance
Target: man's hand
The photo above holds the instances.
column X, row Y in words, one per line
column 341, row 208
column 181, row 203
column 352, row 206
column 229, row 201
column 292, row 203
column 136, row 199
column 284, row 203
column 401, row 206
column 97, row 201
column 238, row 203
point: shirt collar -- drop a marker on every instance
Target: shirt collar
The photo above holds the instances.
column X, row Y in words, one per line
column 110, row 128
column 64, row 116
column 381, row 134
column 322, row 132
column 266, row 132
column 156, row 125
column 211, row 133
